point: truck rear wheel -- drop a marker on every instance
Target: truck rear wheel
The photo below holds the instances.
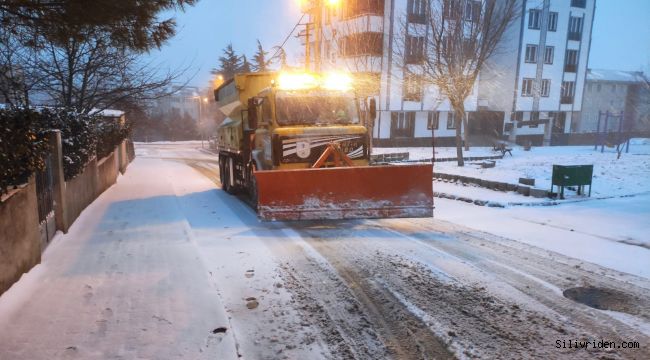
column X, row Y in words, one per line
column 230, row 184
column 224, row 173
column 252, row 186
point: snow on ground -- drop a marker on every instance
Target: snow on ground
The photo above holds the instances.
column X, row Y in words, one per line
column 166, row 265
column 612, row 233
column 612, row 177
column 419, row 153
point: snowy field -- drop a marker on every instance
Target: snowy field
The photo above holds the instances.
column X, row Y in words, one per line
column 612, row 177
column 165, row 265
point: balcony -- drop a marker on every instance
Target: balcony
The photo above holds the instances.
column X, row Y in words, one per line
column 571, row 68
column 577, row 36
column 417, row 19
column 414, row 59
column 566, row 100
column 579, row 3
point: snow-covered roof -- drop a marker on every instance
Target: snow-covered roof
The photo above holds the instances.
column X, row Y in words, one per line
column 107, row 112
column 615, row 76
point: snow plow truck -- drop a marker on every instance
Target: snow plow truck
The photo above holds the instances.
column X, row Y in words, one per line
column 297, row 146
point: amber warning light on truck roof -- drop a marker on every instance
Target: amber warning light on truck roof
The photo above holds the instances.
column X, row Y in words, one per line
column 306, row 81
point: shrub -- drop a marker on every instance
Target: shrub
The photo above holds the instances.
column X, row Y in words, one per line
column 23, row 146
column 110, row 133
column 78, row 137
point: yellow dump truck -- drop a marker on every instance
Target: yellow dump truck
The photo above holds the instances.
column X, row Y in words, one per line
column 298, row 146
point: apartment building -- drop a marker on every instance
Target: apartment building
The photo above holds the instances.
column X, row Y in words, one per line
column 530, row 89
column 617, row 92
column 184, row 99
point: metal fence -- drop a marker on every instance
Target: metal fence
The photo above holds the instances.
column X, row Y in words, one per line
column 45, row 190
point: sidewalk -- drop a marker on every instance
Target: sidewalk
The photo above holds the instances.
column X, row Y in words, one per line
column 127, row 281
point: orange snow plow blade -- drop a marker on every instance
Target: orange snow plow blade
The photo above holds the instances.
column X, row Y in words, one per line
column 346, row 192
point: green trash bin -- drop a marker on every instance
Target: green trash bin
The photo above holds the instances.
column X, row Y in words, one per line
column 572, row 175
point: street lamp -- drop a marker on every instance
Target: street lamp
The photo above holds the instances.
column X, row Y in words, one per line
column 200, row 101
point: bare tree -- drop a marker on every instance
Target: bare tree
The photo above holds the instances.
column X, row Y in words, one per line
column 84, row 55
column 91, row 71
column 451, row 46
column 16, row 81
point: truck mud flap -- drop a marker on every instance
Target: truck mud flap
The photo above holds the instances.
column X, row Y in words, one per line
column 393, row 191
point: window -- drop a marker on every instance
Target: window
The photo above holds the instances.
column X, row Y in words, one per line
column 451, row 121
column 531, row 53
column 534, row 119
column 447, row 45
column 267, row 111
column 546, row 87
column 414, row 49
column 534, row 18
column 614, row 88
column 412, row 88
column 402, row 123
column 433, row 120
column 451, row 9
column 571, row 61
column 362, row 7
column 575, row 28
column 552, row 21
column 416, row 11
column 366, row 43
column 473, row 10
column 568, row 90
column 579, row 3
column 549, row 51
column 527, row 87
column 599, row 87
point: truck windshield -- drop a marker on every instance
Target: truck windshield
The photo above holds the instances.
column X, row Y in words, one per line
column 312, row 108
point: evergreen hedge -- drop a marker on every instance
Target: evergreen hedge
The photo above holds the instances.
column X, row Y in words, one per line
column 78, row 137
column 23, row 146
column 110, row 134
column 23, row 141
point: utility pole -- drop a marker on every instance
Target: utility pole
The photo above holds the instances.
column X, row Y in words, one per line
column 307, row 47
column 314, row 9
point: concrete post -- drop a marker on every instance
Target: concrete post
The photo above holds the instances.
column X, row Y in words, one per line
column 60, row 206
column 123, row 157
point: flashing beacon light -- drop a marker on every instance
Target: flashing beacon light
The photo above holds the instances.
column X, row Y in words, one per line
column 297, row 81
column 336, row 81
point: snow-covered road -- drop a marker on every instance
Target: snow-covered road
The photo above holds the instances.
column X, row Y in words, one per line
column 165, row 265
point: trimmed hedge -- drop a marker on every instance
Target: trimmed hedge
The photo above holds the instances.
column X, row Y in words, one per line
column 78, row 137
column 23, row 146
column 23, row 141
column 110, row 134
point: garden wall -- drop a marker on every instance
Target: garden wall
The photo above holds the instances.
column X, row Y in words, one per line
column 106, row 173
column 20, row 240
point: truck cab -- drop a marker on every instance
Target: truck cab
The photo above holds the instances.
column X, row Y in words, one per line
column 279, row 121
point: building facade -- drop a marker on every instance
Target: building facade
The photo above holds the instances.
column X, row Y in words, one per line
column 530, row 89
column 616, row 92
column 181, row 99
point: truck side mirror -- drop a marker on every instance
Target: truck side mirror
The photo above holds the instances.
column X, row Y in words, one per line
column 252, row 113
column 372, row 109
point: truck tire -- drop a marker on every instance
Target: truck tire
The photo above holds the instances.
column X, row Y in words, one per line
column 230, row 181
column 252, row 186
column 225, row 175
